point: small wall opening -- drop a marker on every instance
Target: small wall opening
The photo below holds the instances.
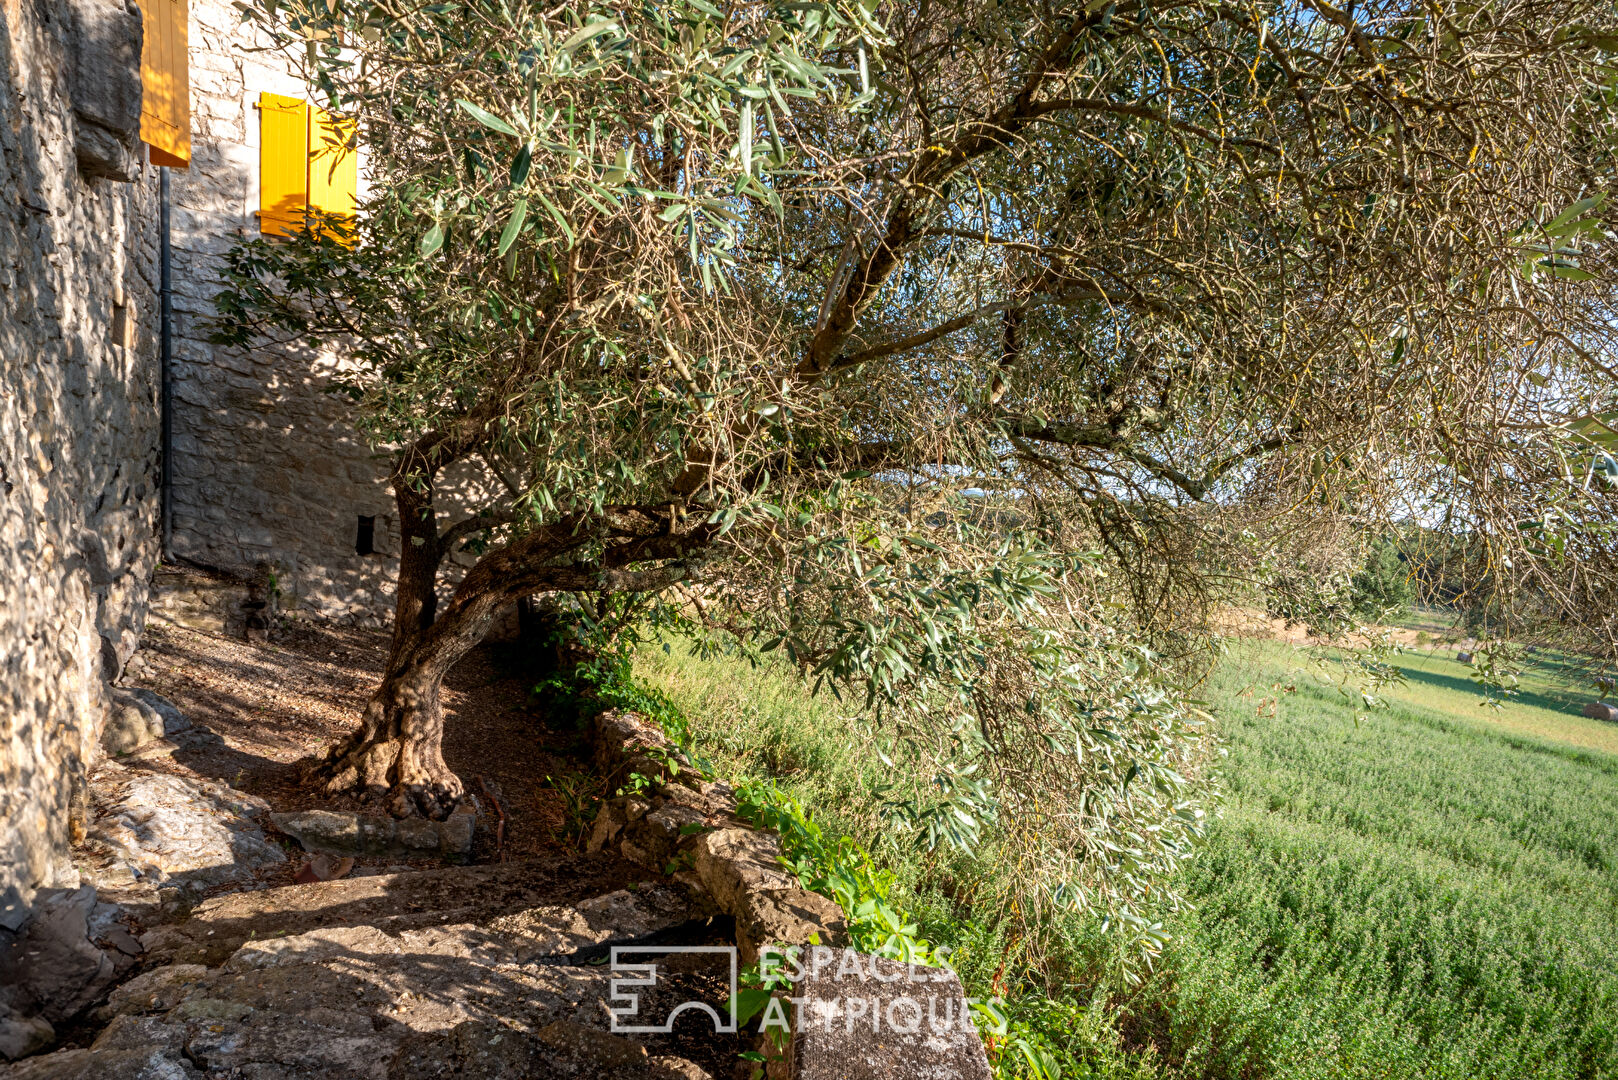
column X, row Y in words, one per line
column 365, row 537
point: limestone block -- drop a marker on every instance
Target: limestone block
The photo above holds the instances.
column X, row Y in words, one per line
column 866, row 1018
column 342, row 832
column 741, row 870
column 172, row 831
column 611, row 819
column 787, row 917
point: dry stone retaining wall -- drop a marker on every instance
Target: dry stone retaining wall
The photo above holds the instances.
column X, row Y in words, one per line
column 79, row 419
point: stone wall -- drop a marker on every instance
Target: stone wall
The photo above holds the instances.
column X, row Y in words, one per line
column 79, row 414
column 269, row 472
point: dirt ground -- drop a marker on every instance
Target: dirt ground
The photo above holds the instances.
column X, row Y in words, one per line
column 277, row 702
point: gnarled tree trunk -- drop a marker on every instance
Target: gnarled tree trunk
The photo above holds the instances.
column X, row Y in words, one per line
column 396, row 751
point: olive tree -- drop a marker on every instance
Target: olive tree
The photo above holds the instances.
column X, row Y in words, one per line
column 950, row 346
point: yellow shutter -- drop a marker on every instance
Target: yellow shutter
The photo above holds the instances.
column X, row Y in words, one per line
column 333, row 164
column 283, row 163
column 165, row 80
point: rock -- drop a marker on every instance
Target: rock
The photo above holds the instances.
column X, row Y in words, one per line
column 626, row 743
column 21, row 1036
column 654, row 839
column 668, row 1067
column 104, row 1065
column 1600, row 710
column 53, row 969
column 157, row 990
column 174, row 721
column 313, row 947
column 173, row 831
column 734, row 862
column 131, row 723
column 591, row 1046
column 787, row 917
column 741, row 869
column 612, row 817
column 865, row 1018
column 324, row 868
column 342, row 832
column 1463, row 657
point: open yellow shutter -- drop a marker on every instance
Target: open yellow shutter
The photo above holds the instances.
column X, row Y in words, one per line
column 333, row 164
column 283, row 163
column 165, row 81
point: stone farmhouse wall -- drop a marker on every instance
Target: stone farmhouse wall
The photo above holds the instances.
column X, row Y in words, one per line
column 269, row 472
column 79, row 410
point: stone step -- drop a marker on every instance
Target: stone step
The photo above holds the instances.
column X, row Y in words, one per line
column 390, row 902
column 515, row 997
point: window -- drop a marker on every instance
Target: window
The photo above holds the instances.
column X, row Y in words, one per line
column 365, row 540
column 306, row 159
column 165, row 83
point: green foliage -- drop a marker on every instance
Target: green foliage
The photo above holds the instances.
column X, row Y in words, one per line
column 1382, row 589
column 1421, row 892
column 840, row 869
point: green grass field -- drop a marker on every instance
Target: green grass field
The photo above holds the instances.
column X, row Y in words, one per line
column 1431, row 891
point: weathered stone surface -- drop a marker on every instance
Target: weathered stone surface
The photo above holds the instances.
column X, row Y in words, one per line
column 1600, row 710
column 394, row 902
column 53, row 969
column 157, row 990
column 23, row 1035
column 106, row 86
column 103, row 1065
column 591, row 1046
column 741, row 869
column 176, row 832
column 626, row 743
column 131, row 722
column 341, row 832
column 174, row 721
column 865, row 1018
column 787, row 917
column 611, row 818
column 438, row 1000
column 79, row 432
column 736, row 862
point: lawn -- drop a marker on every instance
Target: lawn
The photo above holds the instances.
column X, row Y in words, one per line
column 1427, row 890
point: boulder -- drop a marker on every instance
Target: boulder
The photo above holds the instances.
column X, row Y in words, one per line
column 866, row 1018
column 104, row 1065
column 735, row 862
column 174, row 721
column 172, row 831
